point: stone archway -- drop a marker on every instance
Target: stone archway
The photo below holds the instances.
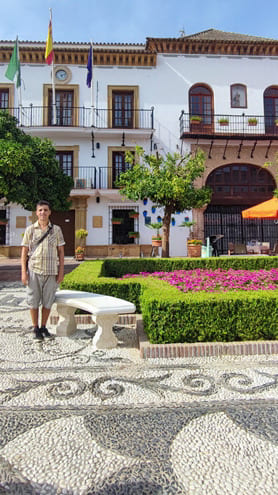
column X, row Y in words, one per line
column 237, row 186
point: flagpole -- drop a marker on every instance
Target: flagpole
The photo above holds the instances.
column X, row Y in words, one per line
column 53, row 79
column 19, row 88
column 92, row 84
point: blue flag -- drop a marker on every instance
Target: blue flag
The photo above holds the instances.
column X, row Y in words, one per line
column 89, row 67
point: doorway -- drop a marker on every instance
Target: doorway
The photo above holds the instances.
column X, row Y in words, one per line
column 66, row 220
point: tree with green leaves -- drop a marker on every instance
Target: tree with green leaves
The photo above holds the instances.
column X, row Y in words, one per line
column 29, row 170
column 169, row 182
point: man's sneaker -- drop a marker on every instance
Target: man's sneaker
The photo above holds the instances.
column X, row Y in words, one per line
column 45, row 333
column 38, row 334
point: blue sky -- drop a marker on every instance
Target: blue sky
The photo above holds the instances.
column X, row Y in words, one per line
column 131, row 21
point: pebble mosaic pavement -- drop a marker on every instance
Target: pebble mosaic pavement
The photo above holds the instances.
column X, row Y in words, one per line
column 75, row 421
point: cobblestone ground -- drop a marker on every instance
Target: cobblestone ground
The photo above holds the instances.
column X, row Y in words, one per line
column 76, row 421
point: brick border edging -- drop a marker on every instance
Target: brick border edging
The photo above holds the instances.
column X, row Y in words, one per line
column 202, row 349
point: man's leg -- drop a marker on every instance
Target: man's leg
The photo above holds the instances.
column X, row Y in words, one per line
column 48, row 296
column 34, row 317
column 45, row 315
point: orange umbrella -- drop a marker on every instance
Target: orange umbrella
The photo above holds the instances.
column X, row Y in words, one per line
column 267, row 209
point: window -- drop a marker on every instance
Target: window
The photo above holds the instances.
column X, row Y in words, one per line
column 238, row 96
column 64, row 107
column 65, row 159
column 240, row 183
column 271, row 109
column 200, row 103
column 66, row 104
column 123, row 107
column 4, row 98
column 119, row 165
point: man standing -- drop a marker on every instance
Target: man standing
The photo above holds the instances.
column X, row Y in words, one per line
column 43, row 246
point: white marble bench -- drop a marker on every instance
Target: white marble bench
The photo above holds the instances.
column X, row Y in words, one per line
column 105, row 309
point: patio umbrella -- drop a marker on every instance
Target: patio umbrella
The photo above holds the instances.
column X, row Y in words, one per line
column 267, row 209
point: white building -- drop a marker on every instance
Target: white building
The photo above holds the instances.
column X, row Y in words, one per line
column 145, row 95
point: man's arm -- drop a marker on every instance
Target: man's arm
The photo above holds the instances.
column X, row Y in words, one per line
column 60, row 276
column 24, row 273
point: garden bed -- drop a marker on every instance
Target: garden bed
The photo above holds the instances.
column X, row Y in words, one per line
column 171, row 316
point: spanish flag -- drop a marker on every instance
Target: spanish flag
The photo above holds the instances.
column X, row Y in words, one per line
column 49, row 53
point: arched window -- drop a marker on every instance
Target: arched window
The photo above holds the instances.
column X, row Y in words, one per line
column 201, row 103
column 271, row 108
column 240, row 184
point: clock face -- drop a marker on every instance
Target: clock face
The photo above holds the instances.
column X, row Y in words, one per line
column 61, row 74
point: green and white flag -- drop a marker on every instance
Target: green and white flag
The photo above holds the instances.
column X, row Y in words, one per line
column 14, row 66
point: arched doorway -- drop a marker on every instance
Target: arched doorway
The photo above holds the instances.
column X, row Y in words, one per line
column 236, row 187
column 201, row 104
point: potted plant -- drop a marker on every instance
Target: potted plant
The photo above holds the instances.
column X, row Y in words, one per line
column 3, row 221
column 194, row 247
column 133, row 214
column 117, row 221
column 79, row 253
column 195, row 119
column 252, row 121
column 223, row 121
column 81, row 234
column 134, row 235
column 156, row 239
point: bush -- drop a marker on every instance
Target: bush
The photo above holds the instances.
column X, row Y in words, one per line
column 172, row 316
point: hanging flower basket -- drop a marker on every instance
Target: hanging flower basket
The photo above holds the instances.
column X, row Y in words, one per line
column 3, row 221
column 133, row 214
column 117, row 221
column 133, row 235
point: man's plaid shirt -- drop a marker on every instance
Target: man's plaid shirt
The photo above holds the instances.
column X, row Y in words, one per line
column 44, row 259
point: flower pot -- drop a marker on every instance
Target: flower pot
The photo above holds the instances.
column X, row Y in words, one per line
column 133, row 215
column 79, row 256
column 252, row 123
column 156, row 242
column 194, row 250
column 116, row 222
column 223, row 123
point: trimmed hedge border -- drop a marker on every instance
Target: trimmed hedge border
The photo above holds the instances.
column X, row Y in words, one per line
column 171, row 316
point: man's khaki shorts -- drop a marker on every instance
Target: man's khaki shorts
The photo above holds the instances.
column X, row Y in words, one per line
column 41, row 290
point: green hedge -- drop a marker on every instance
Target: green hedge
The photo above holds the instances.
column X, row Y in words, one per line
column 173, row 316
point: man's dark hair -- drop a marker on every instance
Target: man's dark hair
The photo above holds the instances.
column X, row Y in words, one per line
column 42, row 202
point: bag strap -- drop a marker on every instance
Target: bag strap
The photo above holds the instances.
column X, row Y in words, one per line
column 40, row 240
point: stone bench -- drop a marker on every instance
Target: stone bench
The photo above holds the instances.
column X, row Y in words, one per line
column 104, row 308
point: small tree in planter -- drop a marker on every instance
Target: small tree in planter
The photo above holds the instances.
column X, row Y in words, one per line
column 81, row 234
column 156, row 239
column 169, row 182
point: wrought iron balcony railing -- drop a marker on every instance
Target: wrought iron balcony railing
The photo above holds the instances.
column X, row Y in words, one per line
column 94, row 177
column 234, row 126
column 38, row 116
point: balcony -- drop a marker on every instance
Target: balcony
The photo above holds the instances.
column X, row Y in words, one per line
column 220, row 126
column 94, row 178
column 82, row 117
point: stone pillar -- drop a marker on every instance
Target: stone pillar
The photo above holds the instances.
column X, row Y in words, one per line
column 79, row 204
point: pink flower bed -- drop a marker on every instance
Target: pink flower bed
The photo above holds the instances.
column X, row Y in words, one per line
column 217, row 280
